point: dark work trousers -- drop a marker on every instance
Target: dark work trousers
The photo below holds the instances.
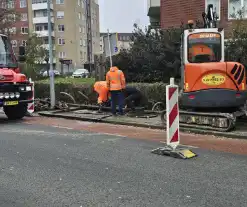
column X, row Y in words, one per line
column 117, row 97
column 133, row 100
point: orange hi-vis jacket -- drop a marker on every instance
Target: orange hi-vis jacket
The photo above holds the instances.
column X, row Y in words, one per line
column 101, row 88
column 115, row 79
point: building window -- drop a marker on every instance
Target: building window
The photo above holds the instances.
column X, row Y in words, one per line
column 12, row 30
column 60, row 28
column 24, row 43
column 79, row 2
column 236, row 6
column 14, row 43
column 24, row 30
column 38, row 28
column 84, row 43
column 216, row 6
column 81, row 42
column 62, row 54
column 59, row 1
column 80, row 29
column 11, row 4
column 60, row 14
column 61, row 41
column 10, row 17
column 24, row 17
column 79, row 15
column 40, row 13
column 23, row 3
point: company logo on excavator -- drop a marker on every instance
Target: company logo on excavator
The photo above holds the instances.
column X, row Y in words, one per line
column 213, row 79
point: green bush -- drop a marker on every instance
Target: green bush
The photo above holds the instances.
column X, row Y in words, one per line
column 154, row 92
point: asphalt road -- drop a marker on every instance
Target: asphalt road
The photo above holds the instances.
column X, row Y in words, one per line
column 48, row 166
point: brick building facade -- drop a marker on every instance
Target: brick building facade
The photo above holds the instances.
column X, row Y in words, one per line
column 20, row 28
column 172, row 13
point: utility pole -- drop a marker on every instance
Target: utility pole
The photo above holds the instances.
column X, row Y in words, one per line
column 109, row 45
column 89, row 33
column 52, row 87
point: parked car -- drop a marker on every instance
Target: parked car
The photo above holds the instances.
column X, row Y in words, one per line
column 80, row 73
column 56, row 73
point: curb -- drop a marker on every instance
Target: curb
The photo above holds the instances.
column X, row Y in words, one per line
column 196, row 131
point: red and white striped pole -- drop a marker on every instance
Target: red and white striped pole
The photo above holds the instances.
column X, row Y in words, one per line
column 30, row 107
column 172, row 115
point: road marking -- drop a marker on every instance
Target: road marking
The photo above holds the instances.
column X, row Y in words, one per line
column 62, row 127
column 45, row 133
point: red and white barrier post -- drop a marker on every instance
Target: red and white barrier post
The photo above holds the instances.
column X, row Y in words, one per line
column 172, row 126
column 30, row 106
column 172, row 115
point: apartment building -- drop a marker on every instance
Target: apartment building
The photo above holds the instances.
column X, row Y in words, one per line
column 124, row 40
column 69, row 28
column 172, row 13
column 18, row 31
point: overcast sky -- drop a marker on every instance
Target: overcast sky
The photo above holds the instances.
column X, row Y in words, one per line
column 120, row 15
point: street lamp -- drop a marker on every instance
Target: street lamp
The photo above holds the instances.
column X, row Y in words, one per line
column 52, row 87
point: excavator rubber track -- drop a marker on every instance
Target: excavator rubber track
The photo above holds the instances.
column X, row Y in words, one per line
column 222, row 122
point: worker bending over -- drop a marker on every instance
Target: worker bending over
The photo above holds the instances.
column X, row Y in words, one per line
column 104, row 96
column 115, row 81
column 132, row 96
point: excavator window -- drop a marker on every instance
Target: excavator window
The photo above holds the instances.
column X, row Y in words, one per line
column 7, row 58
column 203, row 48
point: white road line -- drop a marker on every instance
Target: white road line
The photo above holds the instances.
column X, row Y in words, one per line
column 62, row 127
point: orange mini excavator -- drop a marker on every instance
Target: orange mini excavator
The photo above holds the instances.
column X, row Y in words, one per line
column 213, row 91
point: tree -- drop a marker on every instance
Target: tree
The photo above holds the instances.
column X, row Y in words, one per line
column 35, row 54
column 8, row 15
column 236, row 45
column 154, row 55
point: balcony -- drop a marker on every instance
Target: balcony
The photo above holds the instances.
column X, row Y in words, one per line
column 154, row 12
column 40, row 6
column 44, row 33
column 42, row 20
column 153, row 7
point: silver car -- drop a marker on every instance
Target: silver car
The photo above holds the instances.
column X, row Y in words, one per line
column 80, row 73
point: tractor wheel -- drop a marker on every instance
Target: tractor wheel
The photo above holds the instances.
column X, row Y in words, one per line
column 15, row 112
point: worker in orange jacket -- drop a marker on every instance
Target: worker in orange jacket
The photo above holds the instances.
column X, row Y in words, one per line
column 101, row 88
column 115, row 81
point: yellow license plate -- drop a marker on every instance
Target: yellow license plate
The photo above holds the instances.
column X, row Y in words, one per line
column 11, row 103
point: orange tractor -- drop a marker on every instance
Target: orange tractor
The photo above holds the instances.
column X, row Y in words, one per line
column 213, row 92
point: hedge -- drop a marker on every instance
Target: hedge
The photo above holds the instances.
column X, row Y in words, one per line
column 154, row 92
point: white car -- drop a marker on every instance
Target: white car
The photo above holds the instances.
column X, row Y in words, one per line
column 80, row 73
column 56, row 73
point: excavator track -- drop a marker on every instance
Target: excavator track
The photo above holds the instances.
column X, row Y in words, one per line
column 222, row 122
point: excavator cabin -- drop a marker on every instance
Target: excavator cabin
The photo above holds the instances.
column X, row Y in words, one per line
column 209, row 81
